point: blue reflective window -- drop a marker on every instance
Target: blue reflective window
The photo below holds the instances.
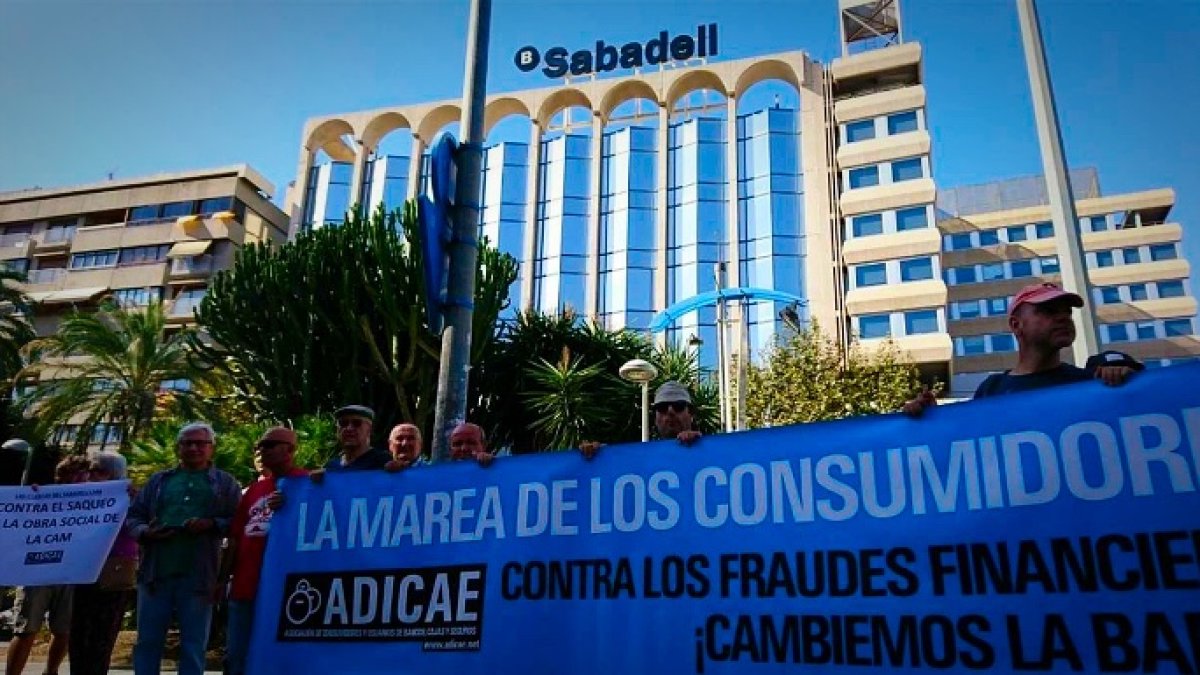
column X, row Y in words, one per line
column 217, row 205
column 1017, row 233
column 902, row 122
column 907, row 169
column 143, row 213
column 1003, row 342
column 1163, row 252
column 1049, row 264
column 1021, row 269
column 1118, row 332
column 1145, row 330
column 1131, row 256
column 864, row 176
column 177, row 209
column 1044, row 230
column 863, row 130
column 997, row 306
column 1177, row 327
column 870, row 275
column 1098, row 223
column 916, row 269
column 94, row 259
column 1104, row 258
column 989, row 237
column 992, row 271
column 867, row 225
column 974, row 344
column 1110, row 295
column 1138, row 292
column 874, row 326
column 964, row 275
column 1170, row 289
column 960, row 241
column 920, row 322
column 912, row 219
column 968, row 309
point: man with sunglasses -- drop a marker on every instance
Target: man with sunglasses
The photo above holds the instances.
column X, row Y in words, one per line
column 354, row 424
column 276, row 450
column 1040, row 318
column 674, row 417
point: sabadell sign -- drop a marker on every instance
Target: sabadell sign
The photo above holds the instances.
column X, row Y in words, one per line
column 558, row 61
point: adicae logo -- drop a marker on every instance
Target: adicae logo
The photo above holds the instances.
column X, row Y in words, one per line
column 605, row 57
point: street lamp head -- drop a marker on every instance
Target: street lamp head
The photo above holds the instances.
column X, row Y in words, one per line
column 638, row 370
column 695, row 340
column 791, row 317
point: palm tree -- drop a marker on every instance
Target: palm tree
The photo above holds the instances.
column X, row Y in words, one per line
column 15, row 330
column 117, row 359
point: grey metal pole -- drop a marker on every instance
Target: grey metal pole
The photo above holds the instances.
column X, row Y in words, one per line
column 1058, row 182
column 451, row 404
column 743, row 364
column 722, row 354
column 645, row 411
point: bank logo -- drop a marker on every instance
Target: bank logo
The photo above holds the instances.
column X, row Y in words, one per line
column 43, row 557
column 605, row 57
column 304, row 602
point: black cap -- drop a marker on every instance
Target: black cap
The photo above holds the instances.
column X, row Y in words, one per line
column 357, row 410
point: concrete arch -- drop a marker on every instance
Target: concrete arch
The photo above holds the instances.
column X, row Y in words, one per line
column 328, row 136
column 772, row 69
column 500, row 108
column 433, row 121
column 381, row 126
column 560, row 99
column 626, row 91
column 694, row 80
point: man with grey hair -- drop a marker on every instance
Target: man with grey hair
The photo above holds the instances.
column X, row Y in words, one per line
column 674, row 417
column 180, row 518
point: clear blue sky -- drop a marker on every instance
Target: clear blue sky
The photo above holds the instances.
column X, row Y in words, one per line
column 156, row 85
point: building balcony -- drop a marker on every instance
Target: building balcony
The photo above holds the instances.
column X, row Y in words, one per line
column 45, row 280
column 1147, row 310
column 1146, row 271
column 875, row 150
column 53, row 242
column 190, row 267
column 1166, row 233
column 929, row 348
column 888, row 196
column 896, row 297
column 881, row 103
column 183, row 310
column 907, row 244
column 14, row 246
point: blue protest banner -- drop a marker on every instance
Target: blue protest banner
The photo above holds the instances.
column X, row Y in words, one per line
column 59, row 534
column 1053, row 531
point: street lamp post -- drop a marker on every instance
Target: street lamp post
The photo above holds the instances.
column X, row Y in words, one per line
column 641, row 372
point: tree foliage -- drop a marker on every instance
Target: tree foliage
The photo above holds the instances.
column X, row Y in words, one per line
column 337, row 316
column 563, row 372
column 803, row 379
column 106, row 367
column 15, row 333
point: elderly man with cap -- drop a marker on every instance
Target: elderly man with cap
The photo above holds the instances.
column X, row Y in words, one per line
column 354, row 441
column 674, row 417
column 1039, row 316
column 248, row 531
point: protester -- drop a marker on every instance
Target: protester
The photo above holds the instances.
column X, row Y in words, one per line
column 405, row 445
column 179, row 519
column 99, row 608
column 1040, row 318
column 276, row 451
column 674, row 417
column 354, row 441
column 34, row 603
column 467, row 442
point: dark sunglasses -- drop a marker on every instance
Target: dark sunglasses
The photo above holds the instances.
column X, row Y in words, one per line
column 350, row 422
column 677, row 406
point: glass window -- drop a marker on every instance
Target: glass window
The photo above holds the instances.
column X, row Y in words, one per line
column 177, row 209
column 1044, row 230
column 920, row 322
column 900, row 123
column 1170, row 289
column 1118, row 332
column 968, row 309
column 1138, row 292
column 973, row 344
column 870, row 275
column 1177, row 327
column 1021, row 268
column 874, row 326
column 1049, row 264
column 864, row 176
column 1110, row 295
column 916, row 269
column 992, row 271
column 91, row 259
column 1003, row 342
column 1145, row 330
column 863, row 130
column 907, row 169
column 1163, row 252
column 211, row 206
column 1104, row 258
column 960, row 241
column 989, row 237
column 964, row 275
column 143, row 213
column 1098, row 223
column 144, row 254
column 912, row 219
column 997, row 306
column 1131, row 256
column 867, row 225
column 19, row 265
column 1017, row 233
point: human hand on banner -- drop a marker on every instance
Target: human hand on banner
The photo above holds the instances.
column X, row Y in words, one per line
column 589, row 449
column 916, row 406
column 317, row 476
column 484, row 459
column 399, row 464
column 276, row 500
column 688, row 437
column 1114, row 376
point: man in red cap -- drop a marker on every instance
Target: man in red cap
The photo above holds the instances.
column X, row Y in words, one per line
column 276, row 449
column 1040, row 319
